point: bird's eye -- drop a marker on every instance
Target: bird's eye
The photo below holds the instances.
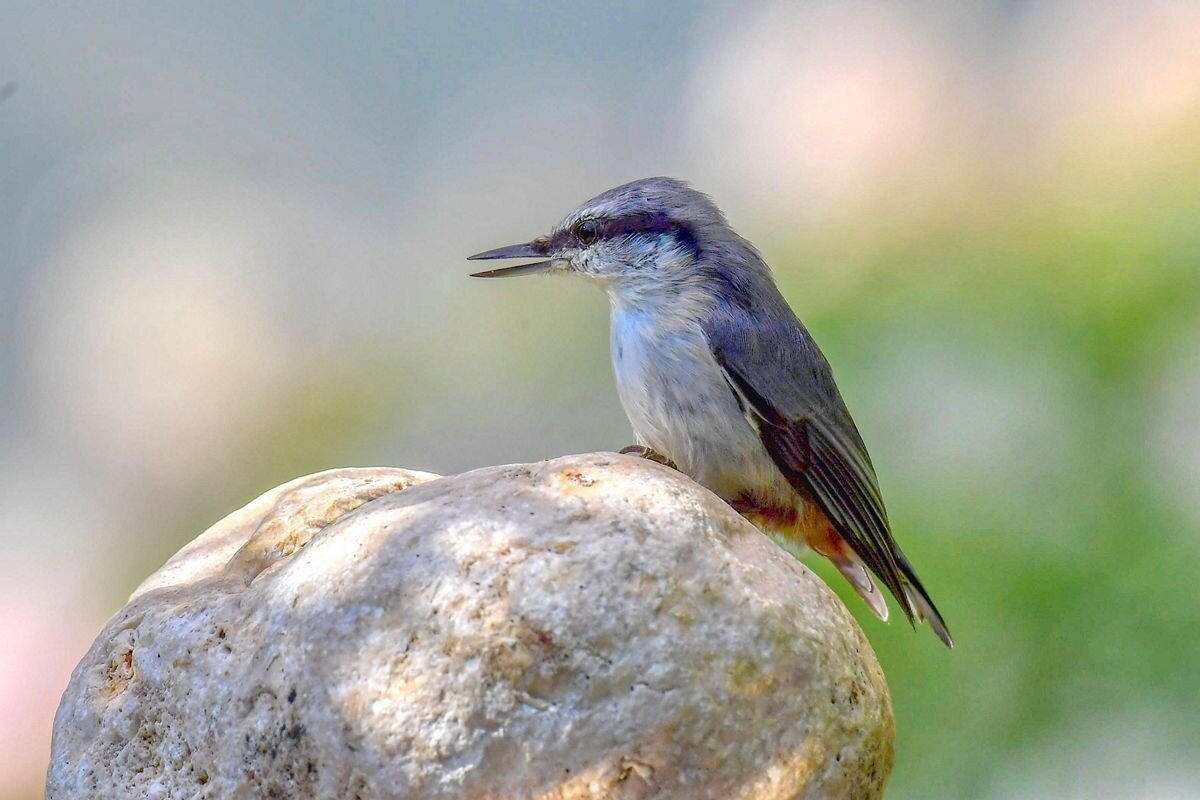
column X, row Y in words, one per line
column 585, row 232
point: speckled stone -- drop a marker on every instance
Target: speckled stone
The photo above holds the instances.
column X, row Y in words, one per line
column 594, row 626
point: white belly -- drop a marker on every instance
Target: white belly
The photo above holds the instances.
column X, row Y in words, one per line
column 679, row 403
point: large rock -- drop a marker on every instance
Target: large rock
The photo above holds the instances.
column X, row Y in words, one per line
column 590, row 627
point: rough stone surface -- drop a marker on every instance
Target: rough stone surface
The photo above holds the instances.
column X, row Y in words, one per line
column 590, row 627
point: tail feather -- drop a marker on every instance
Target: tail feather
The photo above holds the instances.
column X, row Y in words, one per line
column 923, row 608
column 917, row 604
column 920, row 603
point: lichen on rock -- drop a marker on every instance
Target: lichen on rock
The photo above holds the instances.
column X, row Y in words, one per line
column 593, row 626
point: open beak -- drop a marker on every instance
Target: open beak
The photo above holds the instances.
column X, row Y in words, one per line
column 538, row 247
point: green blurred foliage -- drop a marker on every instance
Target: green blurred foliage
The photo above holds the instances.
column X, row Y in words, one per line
column 1069, row 589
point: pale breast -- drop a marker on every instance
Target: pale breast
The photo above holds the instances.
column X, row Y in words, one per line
column 679, row 403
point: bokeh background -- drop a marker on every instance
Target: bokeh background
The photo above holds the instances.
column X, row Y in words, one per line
column 231, row 252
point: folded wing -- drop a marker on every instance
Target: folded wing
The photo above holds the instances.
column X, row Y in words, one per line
column 785, row 384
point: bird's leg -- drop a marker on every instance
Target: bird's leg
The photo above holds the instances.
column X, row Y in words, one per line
column 641, row 451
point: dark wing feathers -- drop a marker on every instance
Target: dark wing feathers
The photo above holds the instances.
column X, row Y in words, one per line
column 812, row 463
column 777, row 371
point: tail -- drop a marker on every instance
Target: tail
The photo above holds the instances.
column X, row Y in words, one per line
column 919, row 602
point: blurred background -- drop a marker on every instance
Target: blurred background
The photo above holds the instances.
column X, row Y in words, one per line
column 231, row 253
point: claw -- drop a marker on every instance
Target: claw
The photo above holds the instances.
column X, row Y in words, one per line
column 641, row 451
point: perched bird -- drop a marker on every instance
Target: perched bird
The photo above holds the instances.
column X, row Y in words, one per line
column 718, row 375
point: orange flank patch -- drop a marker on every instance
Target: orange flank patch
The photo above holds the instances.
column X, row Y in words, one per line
column 775, row 517
column 807, row 523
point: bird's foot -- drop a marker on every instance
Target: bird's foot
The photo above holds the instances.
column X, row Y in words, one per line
column 641, row 451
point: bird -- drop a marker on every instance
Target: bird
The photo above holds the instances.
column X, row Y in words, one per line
column 721, row 379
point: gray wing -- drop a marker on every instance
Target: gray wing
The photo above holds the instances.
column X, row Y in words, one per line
column 775, row 368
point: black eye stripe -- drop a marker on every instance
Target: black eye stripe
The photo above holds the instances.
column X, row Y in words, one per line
column 650, row 223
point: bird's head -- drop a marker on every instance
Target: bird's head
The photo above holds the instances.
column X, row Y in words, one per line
column 645, row 237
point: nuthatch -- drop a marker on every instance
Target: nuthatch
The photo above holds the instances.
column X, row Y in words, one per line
column 718, row 375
